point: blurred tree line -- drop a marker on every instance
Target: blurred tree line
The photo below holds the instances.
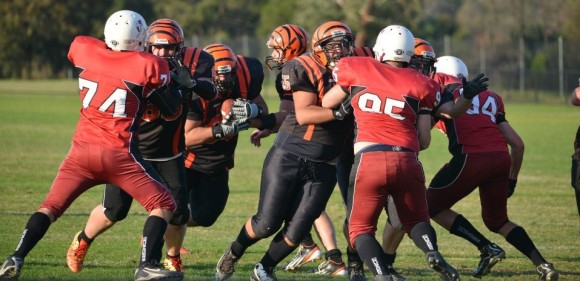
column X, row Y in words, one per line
column 35, row 35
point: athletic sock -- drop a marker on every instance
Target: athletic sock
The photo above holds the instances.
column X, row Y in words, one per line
column 36, row 227
column 522, row 241
column 334, row 255
column 424, row 237
column 464, row 229
column 371, row 252
column 277, row 251
column 242, row 242
column 83, row 236
column 153, row 232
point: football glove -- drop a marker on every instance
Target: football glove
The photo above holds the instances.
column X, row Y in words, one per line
column 511, row 187
column 474, row 86
column 344, row 109
column 181, row 75
column 242, row 109
column 228, row 129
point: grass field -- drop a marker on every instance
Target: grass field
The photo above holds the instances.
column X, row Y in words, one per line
column 39, row 119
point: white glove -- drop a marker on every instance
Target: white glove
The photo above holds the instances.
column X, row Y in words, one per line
column 242, row 109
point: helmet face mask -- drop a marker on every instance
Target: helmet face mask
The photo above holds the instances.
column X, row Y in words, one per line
column 332, row 41
column 287, row 42
column 125, row 31
column 224, row 70
column 423, row 59
column 166, row 34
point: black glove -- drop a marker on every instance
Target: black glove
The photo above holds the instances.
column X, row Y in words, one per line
column 181, row 75
column 344, row 109
column 474, row 86
column 220, row 131
column 242, row 109
column 511, row 187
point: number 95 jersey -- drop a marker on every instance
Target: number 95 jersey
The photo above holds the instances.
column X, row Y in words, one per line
column 386, row 100
column 113, row 89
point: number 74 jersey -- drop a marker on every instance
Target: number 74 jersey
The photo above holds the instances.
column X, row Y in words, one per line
column 113, row 89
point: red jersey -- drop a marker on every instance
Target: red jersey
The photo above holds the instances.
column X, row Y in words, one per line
column 113, row 97
column 476, row 130
column 386, row 100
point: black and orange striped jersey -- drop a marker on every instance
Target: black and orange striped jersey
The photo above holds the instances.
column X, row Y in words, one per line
column 282, row 93
column 320, row 142
column 220, row 154
column 160, row 136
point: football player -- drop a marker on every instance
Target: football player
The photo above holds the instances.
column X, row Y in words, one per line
column 104, row 147
column 575, row 100
column 161, row 141
column 479, row 143
column 299, row 172
column 392, row 108
column 211, row 143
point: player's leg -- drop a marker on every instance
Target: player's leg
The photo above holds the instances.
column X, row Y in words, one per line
column 71, row 180
column 279, row 173
column 307, row 205
column 173, row 174
column 114, row 207
column 140, row 180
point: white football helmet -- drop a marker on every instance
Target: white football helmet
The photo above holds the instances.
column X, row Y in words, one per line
column 394, row 43
column 452, row 66
column 126, row 31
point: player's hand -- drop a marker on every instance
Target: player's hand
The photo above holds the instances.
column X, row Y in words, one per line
column 181, row 75
column 474, row 86
column 511, row 187
column 257, row 135
column 226, row 130
column 242, row 109
column 344, row 109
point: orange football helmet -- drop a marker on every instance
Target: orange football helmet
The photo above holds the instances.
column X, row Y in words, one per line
column 224, row 69
column 423, row 59
column 289, row 41
column 332, row 41
column 166, row 32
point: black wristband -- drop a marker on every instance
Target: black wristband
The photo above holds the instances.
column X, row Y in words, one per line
column 268, row 121
column 216, row 131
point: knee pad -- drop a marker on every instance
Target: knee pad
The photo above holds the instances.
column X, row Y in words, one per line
column 117, row 214
column 263, row 229
column 180, row 216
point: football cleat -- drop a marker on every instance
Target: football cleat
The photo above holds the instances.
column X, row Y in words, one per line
column 490, row 255
column 154, row 271
column 395, row 276
column 304, row 256
column 332, row 268
column 75, row 257
column 355, row 267
column 173, row 264
column 445, row 271
column 11, row 268
column 547, row 272
column 226, row 265
column 263, row 274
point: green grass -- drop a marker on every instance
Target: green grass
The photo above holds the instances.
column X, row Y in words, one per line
column 39, row 120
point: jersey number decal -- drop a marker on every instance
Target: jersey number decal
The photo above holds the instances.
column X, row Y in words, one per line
column 488, row 108
column 370, row 102
column 117, row 97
